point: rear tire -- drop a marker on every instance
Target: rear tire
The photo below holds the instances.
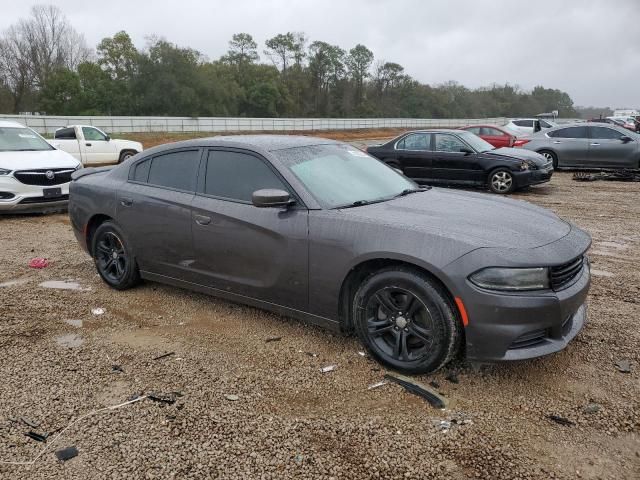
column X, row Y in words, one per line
column 406, row 320
column 501, row 181
column 113, row 257
column 549, row 155
column 125, row 155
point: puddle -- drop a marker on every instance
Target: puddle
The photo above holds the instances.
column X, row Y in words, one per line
column 74, row 323
column 601, row 273
column 63, row 285
column 70, row 340
column 14, row 282
column 617, row 246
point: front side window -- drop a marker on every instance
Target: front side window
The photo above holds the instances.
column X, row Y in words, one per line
column 414, row 141
column 605, row 133
column 339, row 175
column 21, row 140
column 492, row 132
column 569, row 132
column 93, row 134
column 236, row 175
column 448, row 143
column 474, row 130
column 176, row 170
column 544, row 124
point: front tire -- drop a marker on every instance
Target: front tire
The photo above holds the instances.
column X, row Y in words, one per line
column 550, row 156
column 406, row 321
column 501, row 181
column 125, row 155
column 113, row 258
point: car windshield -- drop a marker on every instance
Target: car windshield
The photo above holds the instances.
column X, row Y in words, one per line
column 15, row 139
column 478, row 144
column 342, row 176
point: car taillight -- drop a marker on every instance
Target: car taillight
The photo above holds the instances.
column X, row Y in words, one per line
column 520, row 142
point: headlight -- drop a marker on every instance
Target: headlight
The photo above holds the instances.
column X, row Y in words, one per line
column 511, row 279
column 525, row 165
column 4, row 171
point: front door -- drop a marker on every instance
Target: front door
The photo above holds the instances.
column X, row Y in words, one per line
column 96, row 149
column 606, row 149
column 450, row 164
column 246, row 250
column 154, row 211
column 571, row 145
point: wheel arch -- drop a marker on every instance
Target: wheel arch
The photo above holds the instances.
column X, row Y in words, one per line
column 92, row 225
column 366, row 267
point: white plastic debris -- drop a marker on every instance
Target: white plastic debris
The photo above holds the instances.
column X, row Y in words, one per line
column 97, row 311
column 232, row 397
column 377, row 385
column 328, row 368
column 362, row 354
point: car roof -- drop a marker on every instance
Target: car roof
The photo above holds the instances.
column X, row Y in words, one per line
column 10, row 124
column 485, row 125
column 436, row 130
column 267, row 143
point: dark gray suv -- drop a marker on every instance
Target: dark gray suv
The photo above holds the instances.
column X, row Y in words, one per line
column 323, row 232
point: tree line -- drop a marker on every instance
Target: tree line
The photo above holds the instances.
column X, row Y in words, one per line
column 46, row 66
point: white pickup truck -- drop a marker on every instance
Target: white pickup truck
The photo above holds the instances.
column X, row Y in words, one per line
column 92, row 146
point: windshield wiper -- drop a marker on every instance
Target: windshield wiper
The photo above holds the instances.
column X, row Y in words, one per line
column 409, row 191
column 360, row 203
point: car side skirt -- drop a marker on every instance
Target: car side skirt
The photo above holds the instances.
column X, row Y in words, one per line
column 323, row 322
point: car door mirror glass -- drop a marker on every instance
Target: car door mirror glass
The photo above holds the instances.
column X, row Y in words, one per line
column 271, row 198
column 625, row 139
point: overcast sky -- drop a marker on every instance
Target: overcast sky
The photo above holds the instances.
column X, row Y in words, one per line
column 588, row 48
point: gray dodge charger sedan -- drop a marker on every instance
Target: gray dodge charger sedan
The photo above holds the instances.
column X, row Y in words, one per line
column 320, row 231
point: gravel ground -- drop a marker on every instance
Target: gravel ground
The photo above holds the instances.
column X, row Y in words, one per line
column 247, row 408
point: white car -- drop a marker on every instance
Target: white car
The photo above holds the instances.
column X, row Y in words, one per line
column 524, row 126
column 34, row 176
column 92, row 146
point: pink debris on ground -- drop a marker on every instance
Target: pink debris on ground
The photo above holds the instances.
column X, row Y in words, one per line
column 39, row 262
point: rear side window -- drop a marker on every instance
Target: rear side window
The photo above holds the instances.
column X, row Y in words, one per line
column 569, row 132
column 523, row 123
column 605, row 133
column 66, row 134
column 175, row 170
column 236, row 176
column 544, row 124
column 141, row 171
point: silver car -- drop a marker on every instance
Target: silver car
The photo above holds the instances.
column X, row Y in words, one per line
column 587, row 145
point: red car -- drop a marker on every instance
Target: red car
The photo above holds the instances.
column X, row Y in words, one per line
column 496, row 136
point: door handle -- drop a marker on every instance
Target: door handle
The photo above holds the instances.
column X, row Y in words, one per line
column 202, row 220
column 126, row 202
column 88, row 144
column 595, row 144
column 556, row 141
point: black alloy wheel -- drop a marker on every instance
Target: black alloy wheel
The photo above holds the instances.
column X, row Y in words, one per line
column 113, row 260
column 406, row 321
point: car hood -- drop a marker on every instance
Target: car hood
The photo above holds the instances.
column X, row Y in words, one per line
column 519, row 154
column 37, row 160
column 477, row 219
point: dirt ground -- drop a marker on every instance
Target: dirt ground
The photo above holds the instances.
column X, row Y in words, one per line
column 248, row 408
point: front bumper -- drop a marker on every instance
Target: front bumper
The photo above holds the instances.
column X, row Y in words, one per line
column 521, row 325
column 533, row 177
column 30, row 198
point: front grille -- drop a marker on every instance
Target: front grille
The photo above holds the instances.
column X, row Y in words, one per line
column 530, row 339
column 44, row 199
column 39, row 177
column 562, row 275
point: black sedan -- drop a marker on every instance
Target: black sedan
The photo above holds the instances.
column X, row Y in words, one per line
column 320, row 231
column 462, row 158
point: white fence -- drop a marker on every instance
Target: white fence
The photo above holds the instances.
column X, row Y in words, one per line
column 48, row 124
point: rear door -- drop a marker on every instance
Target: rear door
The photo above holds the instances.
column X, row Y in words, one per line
column 571, row 145
column 154, row 210
column 495, row 137
column 239, row 248
column 96, row 148
column 606, row 149
column 452, row 165
column 414, row 155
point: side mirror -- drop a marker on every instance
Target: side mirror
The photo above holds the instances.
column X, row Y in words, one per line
column 271, row 198
column 466, row 150
column 536, row 126
column 626, row 139
column 107, row 138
